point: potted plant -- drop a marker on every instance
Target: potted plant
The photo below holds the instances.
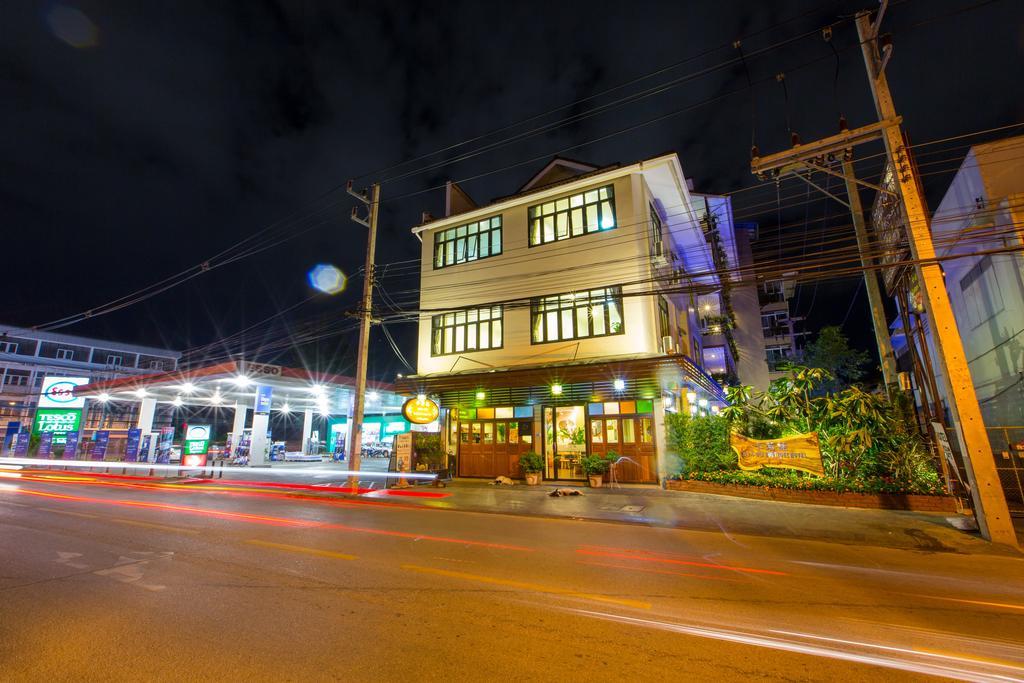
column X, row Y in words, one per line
column 532, row 465
column 594, row 466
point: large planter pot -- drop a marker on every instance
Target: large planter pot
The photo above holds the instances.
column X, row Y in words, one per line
column 532, row 478
column 595, row 480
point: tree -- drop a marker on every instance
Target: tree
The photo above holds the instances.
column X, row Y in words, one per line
column 831, row 351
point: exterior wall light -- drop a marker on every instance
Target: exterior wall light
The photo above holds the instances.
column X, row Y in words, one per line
column 421, row 397
column 691, row 396
column 373, row 396
column 703, row 403
column 177, row 402
column 556, row 389
column 188, row 387
column 693, row 409
column 619, row 384
column 242, row 381
column 481, row 395
column 103, row 398
column 141, row 393
column 286, row 409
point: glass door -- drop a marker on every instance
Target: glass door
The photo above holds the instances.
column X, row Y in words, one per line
column 565, row 441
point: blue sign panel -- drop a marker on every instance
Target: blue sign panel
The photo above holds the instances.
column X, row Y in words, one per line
column 45, row 444
column 263, row 396
column 164, row 444
column 144, row 448
column 12, row 429
column 99, row 449
column 131, row 445
column 21, row 445
column 71, row 446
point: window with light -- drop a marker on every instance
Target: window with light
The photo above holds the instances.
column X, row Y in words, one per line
column 572, row 216
column 577, row 315
column 466, row 243
column 474, row 329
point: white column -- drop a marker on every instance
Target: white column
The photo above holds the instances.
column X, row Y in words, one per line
column 307, row 430
column 350, row 401
column 259, row 445
column 660, row 447
column 238, row 426
column 147, row 410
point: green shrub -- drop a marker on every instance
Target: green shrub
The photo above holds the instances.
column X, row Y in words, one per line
column 700, row 443
column 790, row 479
column 531, row 463
column 595, row 464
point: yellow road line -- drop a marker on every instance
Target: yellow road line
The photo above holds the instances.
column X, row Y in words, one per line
column 301, row 549
column 522, row 585
column 68, row 512
column 151, row 525
column 983, row 603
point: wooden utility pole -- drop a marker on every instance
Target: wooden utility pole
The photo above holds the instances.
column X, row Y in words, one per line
column 987, row 492
column 882, row 339
column 365, row 320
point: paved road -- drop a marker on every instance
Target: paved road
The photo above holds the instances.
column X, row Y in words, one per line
column 109, row 580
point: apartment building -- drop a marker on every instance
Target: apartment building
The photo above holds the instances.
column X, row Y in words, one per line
column 563, row 319
column 27, row 356
column 782, row 332
column 733, row 345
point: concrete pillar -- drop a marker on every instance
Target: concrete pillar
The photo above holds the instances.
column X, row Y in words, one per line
column 147, row 411
column 307, row 430
column 238, row 426
column 259, row 446
column 660, row 446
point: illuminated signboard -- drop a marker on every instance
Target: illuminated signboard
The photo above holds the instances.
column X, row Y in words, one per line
column 59, row 392
column 420, row 411
column 197, row 440
column 58, row 422
column 799, row 452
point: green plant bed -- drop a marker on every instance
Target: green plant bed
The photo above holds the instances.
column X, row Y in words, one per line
column 784, row 479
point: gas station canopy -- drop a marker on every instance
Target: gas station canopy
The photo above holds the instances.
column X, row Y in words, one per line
column 235, row 383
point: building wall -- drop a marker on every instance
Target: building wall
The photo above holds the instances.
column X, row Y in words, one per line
column 751, row 366
column 616, row 256
column 987, row 291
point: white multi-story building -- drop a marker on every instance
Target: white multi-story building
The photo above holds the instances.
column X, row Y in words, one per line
column 27, row 356
column 980, row 222
column 562, row 319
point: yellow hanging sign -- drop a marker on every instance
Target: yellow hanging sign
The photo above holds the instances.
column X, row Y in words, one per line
column 799, row 452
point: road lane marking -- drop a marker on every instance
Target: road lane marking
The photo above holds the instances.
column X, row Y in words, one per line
column 983, row 603
column 669, row 560
column 151, row 525
column 659, row 571
column 67, row 512
column 522, row 585
column 301, row 549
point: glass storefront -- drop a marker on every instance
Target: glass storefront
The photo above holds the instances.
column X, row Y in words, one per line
column 565, row 441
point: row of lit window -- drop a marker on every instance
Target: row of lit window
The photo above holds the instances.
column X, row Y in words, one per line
column 578, row 315
column 559, row 219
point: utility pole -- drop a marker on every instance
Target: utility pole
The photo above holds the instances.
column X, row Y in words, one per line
column 885, row 353
column 366, row 319
column 987, row 492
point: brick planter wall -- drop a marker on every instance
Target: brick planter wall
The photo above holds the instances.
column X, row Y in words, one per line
column 880, row 501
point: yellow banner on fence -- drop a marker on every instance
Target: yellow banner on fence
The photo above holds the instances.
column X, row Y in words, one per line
column 799, row 452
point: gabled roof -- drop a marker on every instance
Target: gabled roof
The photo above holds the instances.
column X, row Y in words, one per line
column 557, row 170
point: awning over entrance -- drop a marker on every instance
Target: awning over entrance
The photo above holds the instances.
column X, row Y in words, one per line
column 647, row 377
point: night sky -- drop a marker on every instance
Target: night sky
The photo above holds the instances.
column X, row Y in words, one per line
column 143, row 138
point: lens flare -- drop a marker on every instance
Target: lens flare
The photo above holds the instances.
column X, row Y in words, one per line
column 327, row 278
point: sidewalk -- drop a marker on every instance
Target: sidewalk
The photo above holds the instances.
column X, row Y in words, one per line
column 651, row 506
